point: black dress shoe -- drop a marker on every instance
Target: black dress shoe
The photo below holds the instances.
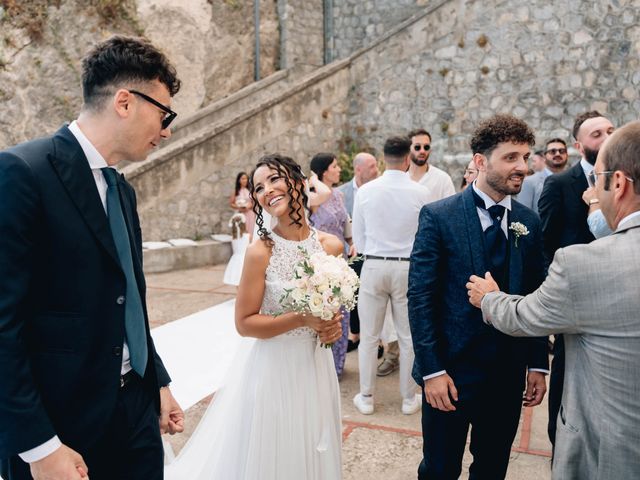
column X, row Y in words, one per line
column 380, row 351
column 352, row 345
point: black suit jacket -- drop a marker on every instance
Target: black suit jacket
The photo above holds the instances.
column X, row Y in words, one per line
column 61, row 326
column 448, row 332
column 562, row 211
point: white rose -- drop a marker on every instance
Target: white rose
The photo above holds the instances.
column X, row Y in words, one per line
column 316, row 304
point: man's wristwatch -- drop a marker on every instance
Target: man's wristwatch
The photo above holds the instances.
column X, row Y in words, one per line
column 593, row 201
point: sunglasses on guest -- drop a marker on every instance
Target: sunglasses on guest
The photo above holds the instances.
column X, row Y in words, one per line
column 553, row 151
column 417, row 147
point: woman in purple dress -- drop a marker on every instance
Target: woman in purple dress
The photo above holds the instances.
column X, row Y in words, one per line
column 332, row 217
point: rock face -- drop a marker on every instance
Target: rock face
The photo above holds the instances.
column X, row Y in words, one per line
column 211, row 42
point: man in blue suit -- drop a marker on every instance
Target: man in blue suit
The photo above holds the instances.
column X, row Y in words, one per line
column 470, row 373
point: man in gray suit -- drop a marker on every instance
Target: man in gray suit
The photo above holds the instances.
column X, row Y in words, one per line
column 591, row 296
column 365, row 169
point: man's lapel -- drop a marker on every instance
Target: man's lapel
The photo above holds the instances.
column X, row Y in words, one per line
column 74, row 172
column 515, row 252
column 579, row 183
column 474, row 234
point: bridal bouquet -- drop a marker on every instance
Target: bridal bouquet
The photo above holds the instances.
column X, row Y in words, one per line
column 322, row 284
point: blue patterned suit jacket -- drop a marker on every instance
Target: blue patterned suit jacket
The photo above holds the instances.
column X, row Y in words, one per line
column 448, row 332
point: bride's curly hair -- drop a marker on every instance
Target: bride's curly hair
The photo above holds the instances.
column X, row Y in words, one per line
column 295, row 181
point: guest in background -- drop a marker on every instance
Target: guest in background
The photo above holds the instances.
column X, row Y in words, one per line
column 470, row 174
column 385, row 219
column 241, row 201
column 537, row 161
column 332, row 217
column 365, row 169
column 556, row 160
column 440, row 186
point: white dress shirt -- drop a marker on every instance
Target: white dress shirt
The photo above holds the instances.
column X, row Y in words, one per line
column 96, row 162
column 486, row 221
column 438, row 182
column 628, row 218
column 586, row 168
column 385, row 214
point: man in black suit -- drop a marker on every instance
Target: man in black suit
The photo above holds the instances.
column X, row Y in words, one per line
column 82, row 387
column 472, row 374
column 564, row 222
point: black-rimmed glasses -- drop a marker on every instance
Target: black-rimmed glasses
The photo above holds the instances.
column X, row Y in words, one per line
column 166, row 121
column 425, row 147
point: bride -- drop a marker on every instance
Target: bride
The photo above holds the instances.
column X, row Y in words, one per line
column 278, row 415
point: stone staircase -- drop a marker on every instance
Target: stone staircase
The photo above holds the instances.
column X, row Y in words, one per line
column 183, row 188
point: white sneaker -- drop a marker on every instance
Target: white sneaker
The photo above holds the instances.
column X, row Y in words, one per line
column 363, row 404
column 411, row 405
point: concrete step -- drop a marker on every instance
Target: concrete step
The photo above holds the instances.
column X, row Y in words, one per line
column 203, row 253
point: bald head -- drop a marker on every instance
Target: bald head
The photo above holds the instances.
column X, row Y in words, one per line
column 365, row 168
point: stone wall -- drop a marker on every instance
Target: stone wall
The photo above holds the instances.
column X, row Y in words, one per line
column 301, row 33
column 211, row 42
column 463, row 62
column 357, row 23
column 184, row 190
column 445, row 69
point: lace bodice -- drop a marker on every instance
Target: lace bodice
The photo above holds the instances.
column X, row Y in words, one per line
column 284, row 255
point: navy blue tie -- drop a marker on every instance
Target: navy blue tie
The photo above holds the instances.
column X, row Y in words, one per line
column 134, row 315
column 494, row 238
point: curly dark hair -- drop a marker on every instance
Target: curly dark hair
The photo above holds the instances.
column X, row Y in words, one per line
column 294, row 179
column 122, row 60
column 499, row 129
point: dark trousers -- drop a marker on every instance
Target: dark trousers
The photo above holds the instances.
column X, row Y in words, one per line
column 493, row 416
column 131, row 448
column 556, row 382
column 354, row 320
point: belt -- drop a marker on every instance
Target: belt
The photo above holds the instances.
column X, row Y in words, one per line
column 395, row 259
column 127, row 378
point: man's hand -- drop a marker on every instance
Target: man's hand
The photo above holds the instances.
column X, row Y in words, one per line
column 171, row 415
column 588, row 195
column 439, row 391
column 536, row 388
column 63, row 464
column 478, row 287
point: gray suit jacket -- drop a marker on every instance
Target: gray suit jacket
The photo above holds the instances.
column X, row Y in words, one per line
column 347, row 191
column 591, row 296
column 531, row 190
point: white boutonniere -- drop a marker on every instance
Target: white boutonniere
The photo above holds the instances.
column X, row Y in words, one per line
column 519, row 230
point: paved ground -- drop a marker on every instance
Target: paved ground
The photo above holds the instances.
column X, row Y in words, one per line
column 386, row 445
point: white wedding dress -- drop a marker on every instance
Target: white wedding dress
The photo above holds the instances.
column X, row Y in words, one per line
column 277, row 417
